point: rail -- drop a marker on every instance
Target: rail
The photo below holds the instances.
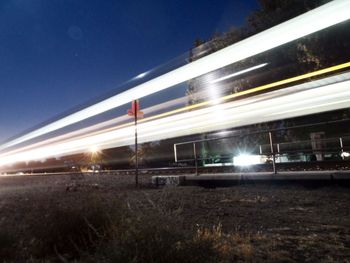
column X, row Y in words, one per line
column 274, row 151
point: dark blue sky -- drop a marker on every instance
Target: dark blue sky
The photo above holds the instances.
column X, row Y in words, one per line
column 57, row 54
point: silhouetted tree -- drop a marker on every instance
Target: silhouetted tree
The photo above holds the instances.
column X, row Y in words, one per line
column 319, row 50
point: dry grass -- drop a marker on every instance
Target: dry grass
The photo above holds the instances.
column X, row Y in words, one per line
column 100, row 219
column 123, row 231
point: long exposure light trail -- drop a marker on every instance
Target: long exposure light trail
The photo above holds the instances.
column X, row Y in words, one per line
column 77, row 134
column 252, row 90
column 176, row 101
column 235, row 113
column 238, row 73
column 315, row 20
column 100, row 127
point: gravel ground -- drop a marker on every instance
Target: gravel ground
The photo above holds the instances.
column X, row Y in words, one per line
column 298, row 223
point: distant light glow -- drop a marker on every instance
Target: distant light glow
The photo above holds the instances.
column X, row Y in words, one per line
column 94, row 149
column 246, row 160
column 315, row 20
column 345, row 154
column 238, row 73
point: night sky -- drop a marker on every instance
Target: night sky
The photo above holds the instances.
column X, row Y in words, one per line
column 57, row 54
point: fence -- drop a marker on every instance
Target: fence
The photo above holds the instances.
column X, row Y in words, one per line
column 262, row 145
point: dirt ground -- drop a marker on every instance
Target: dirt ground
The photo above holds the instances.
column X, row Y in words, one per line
column 296, row 223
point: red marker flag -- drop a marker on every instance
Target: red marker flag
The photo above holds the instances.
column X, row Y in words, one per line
column 135, row 106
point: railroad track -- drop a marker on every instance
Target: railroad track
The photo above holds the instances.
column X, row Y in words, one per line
column 281, row 167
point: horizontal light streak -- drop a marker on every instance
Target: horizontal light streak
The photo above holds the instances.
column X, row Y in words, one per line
column 238, row 73
column 100, row 127
column 234, row 114
column 313, row 107
column 218, row 109
column 253, row 90
column 315, row 20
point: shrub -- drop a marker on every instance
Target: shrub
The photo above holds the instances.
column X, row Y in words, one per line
column 72, row 233
column 98, row 232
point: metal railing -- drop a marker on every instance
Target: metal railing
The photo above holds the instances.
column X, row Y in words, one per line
column 274, row 151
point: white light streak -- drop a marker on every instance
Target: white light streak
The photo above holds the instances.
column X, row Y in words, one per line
column 140, row 76
column 315, row 20
column 247, row 111
column 238, row 73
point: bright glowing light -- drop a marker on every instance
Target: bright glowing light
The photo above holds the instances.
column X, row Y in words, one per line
column 238, row 73
column 315, row 20
column 246, row 160
column 345, row 154
column 94, row 149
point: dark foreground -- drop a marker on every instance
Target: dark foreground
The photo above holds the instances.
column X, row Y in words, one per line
column 103, row 218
